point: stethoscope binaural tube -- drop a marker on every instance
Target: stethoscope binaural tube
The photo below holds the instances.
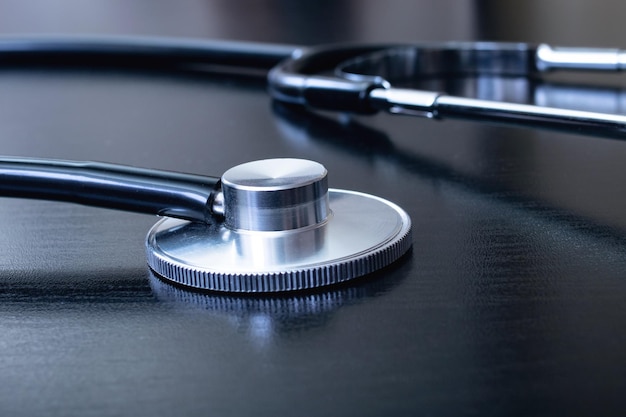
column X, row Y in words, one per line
column 366, row 82
column 359, row 79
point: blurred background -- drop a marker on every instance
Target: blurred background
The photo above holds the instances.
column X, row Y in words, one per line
column 311, row 22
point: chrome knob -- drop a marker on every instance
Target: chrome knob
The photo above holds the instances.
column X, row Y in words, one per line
column 275, row 194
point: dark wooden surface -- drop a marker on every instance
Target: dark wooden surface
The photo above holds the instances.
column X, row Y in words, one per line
column 510, row 303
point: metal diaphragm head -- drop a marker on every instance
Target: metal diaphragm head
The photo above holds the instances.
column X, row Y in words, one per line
column 283, row 230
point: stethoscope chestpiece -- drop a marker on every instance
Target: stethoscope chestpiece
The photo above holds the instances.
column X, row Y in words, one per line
column 283, row 230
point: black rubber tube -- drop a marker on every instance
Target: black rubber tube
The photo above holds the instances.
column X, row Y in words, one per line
column 112, row 186
column 139, row 52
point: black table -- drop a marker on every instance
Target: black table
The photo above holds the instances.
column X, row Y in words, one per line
column 510, row 302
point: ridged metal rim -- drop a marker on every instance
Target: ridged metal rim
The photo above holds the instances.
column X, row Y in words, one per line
column 388, row 248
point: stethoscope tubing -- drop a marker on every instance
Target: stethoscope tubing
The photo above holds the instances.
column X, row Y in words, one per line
column 309, row 76
column 357, row 86
column 140, row 190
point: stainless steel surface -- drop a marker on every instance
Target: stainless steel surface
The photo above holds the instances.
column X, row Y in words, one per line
column 362, row 234
column 435, row 105
column 557, row 58
column 403, row 64
column 275, row 195
column 480, row 58
column 404, row 68
column 523, row 114
column 405, row 101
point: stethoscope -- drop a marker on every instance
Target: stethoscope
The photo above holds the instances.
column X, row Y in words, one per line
column 275, row 225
